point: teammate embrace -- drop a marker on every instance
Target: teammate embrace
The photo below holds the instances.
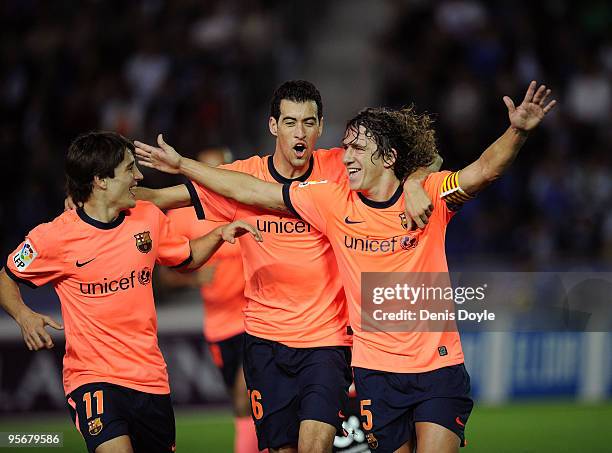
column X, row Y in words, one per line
column 302, row 291
column 413, row 388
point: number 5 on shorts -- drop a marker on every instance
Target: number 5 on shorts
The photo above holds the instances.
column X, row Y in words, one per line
column 367, row 425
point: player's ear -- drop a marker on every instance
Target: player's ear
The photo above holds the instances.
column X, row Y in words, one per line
column 273, row 125
column 100, row 183
column 320, row 127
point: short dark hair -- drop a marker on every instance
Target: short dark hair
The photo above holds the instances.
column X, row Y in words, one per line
column 93, row 154
column 296, row 91
column 405, row 131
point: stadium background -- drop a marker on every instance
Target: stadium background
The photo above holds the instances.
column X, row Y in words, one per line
column 203, row 72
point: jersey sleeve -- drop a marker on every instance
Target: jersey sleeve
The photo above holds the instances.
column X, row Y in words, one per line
column 331, row 163
column 440, row 188
column 210, row 205
column 312, row 201
column 39, row 259
column 173, row 248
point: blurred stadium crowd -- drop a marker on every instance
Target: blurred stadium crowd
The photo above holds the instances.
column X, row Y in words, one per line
column 203, row 72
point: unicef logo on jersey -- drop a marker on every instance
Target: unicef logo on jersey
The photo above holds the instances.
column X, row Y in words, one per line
column 355, row 438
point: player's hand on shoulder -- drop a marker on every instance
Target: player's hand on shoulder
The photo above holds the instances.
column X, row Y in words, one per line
column 418, row 204
column 33, row 330
column 239, row 228
column 532, row 110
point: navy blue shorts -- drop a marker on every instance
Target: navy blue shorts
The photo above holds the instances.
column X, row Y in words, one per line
column 391, row 403
column 287, row 385
column 103, row 411
column 228, row 356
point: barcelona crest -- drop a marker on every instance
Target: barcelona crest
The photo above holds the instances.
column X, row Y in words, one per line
column 144, row 243
column 402, row 217
column 372, row 441
column 95, row 426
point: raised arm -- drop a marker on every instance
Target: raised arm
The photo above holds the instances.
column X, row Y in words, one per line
column 32, row 324
column 238, row 186
column 498, row 157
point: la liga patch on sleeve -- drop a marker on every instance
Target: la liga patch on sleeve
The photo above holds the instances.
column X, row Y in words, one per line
column 24, row 256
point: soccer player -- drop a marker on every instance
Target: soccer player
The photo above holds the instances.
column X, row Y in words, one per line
column 413, row 386
column 221, row 282
column 100, row 259
column 297, row 351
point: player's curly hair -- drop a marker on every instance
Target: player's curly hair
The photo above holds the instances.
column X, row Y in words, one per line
column 93, row 154
column 296, row 91
column 408, row 133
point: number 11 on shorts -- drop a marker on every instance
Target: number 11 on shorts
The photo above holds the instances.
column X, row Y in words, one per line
column 99, row 397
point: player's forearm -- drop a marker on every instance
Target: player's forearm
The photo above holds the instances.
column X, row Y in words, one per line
column 10, row 298
column 493, row 162
column 166, row 198
column 238, row 186
column 419, row 175
column 203, row 248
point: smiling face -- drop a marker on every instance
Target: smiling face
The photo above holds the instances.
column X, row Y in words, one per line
column 119, row 188
column 364, row 166
column 296, row 131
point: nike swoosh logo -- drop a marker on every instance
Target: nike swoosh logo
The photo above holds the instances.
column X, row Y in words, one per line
column 458, row 420
column 83, row 264
column 351, row 222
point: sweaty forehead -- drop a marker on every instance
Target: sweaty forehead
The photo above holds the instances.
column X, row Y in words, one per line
column 293, row 109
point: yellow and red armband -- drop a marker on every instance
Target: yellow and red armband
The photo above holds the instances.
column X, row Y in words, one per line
column 452, row 193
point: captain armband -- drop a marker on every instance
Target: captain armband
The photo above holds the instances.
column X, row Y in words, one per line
column 452, row 193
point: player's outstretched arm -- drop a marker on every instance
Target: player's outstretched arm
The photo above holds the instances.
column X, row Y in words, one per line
column 418, row 204
column 32, row 324
column 166, row 198
column 204, row 247
column 498, row 156
column 238, row 186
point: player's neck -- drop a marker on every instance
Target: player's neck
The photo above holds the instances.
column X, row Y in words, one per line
column 383, row 190
column 285, row 169
column 100, row 211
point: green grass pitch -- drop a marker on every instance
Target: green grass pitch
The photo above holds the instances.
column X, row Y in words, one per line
column 513, row 428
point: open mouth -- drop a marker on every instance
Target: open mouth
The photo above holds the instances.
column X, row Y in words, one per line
column 300, row 150
column 352, row 172
column 131, row 190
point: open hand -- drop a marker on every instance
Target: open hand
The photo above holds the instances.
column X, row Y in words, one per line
column 33, row 330
column 163, row 158
column 530, row 112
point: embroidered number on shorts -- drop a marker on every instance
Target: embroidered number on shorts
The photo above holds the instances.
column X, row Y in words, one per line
column 367, row 425
column 99, row 397
column 256, row 406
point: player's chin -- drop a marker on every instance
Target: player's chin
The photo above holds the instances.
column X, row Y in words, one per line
column 355, row 183
column 129, row 202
